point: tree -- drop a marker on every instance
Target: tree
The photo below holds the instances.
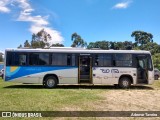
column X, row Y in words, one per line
column 37, row 44
column 27, row 44
column 128, row 45
column 42, row 35
column 156, row 60
column 41, row 39
column 99, row 44
column 20, row 46
column 142, row 38
column 1, row 58
column 77, row 41
column 57, row 45
column 119, row 45
column 112, row 45
column 91, row 45
column 152, row 47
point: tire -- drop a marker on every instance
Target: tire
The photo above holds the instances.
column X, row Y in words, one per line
column 156, row 77
column 124, row 82
column 50, row 82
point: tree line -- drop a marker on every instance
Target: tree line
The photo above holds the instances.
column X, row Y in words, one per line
column 143, row 41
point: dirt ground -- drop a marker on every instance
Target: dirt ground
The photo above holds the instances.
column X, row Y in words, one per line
column 131, row 100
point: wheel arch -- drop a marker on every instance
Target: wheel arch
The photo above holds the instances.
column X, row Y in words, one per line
column 128, row 76
column 47, row 75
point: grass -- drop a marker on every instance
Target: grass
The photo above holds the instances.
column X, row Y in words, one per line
column 34, row 98
column 22, row 97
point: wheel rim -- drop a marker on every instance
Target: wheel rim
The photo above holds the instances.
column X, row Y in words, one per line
column 125, row 83
column 50, row 82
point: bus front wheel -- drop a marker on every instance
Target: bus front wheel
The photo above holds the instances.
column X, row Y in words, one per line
column 50, row 82
column 124, row 82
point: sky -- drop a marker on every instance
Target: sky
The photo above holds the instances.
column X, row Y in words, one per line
column 93, row 20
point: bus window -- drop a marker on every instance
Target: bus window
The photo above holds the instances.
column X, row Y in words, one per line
column 62, row 59
column 16, row 59
column 73, row 60
column 43, row 59
column 99, row 60
column 68, row 59
column 123, row 60
column 145, row 61
column 107, row 60
column 150, row 67
column 22, row 59
column 103, row 60
column 39, row 59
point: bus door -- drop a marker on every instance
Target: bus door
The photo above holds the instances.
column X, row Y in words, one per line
column 85, row 69
column 142, row 69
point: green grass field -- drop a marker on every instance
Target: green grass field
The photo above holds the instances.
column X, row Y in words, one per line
column 35, row 98
column 30, row 97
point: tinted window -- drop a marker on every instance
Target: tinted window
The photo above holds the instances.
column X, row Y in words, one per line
column 16, row 59
column 22, row 59
column 107, row 60
column 63, row 59
column 103, row 60
column 9, row 58
column 99, row 60
column 73, row 60
column 39, row 59
column 123, row 60
column 150, row 63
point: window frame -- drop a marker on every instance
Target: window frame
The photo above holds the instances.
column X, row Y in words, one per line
column 71, row 61
column 29, row 53
column 148, row 58
column 94, row 59
column 123, row 60
column 13, row 58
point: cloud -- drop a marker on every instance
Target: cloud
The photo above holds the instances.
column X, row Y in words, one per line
column 1, row 51
column 56, row 35
column 3, row 8
column 122, row 5
column 38, row 22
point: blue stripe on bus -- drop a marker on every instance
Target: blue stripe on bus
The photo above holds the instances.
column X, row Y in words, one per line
column 16, row 72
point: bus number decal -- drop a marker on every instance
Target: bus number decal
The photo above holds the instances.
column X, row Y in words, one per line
column 109, row 71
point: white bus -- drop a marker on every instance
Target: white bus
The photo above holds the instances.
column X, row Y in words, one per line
column 78, row 66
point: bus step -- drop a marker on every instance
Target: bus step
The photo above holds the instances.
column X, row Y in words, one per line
column 85, row 81
column 84, row 77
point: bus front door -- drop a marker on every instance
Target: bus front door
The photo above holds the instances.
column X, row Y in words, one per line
column 85, row 69
column 142, row 69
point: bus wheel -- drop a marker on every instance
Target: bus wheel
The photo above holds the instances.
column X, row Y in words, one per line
column 156, row 77
column 50, row 82
column 124, row 82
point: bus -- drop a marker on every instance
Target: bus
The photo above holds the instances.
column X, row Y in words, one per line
column 56, row 66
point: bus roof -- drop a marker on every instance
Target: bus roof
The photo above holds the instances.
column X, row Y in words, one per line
column 75, row 50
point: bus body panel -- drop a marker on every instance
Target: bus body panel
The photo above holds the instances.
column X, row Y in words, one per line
column 150, row 77
column 70, row 74
column 66, row 75
column 110, row 75
column 102, row 75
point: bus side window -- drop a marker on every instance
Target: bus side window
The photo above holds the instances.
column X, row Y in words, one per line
column 73, row 60
column 98, row 60
column 22, row 59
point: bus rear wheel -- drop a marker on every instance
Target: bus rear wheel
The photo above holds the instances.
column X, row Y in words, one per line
column 50, row 82
column 124, row 82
